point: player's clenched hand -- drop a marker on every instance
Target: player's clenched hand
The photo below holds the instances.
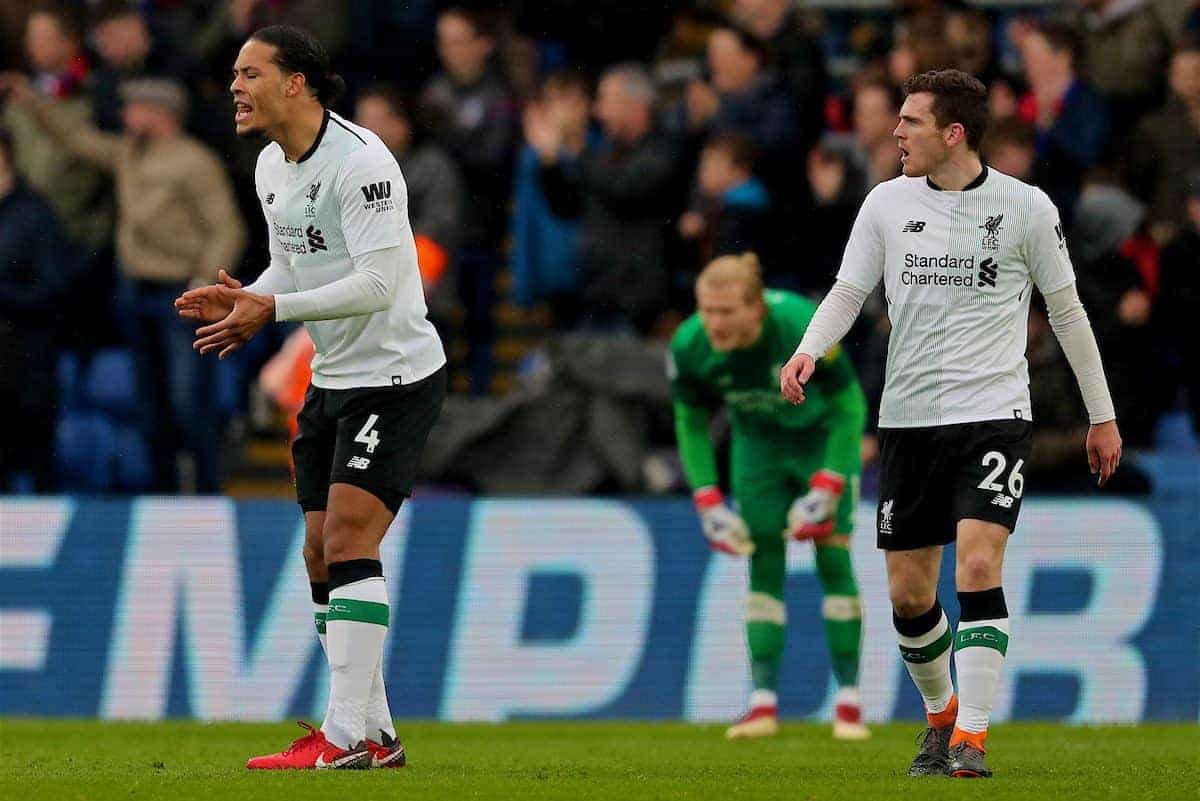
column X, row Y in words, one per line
column 249, row 314
column 795, row 375
column 724, row 528
column 1104, row 450
column 206, row 304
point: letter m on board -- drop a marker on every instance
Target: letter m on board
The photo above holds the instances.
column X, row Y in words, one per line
column 381, row 190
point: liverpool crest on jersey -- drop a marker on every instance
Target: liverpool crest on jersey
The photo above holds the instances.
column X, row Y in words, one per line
column 991, row 232
column 311, row 209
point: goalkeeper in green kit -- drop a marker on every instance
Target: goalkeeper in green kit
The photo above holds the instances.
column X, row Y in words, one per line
column 794, row 475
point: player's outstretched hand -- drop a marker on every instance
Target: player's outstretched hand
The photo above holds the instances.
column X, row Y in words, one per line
column 206, row 304
column 249, row 314
column 795, row 375
column 1104, row 450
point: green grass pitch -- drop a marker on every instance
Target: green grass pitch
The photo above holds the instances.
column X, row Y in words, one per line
column 86, row 760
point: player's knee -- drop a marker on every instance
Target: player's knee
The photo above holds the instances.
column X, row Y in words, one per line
column 343, row 534
column 314, row 554
column 908, row 601
column 977, row 571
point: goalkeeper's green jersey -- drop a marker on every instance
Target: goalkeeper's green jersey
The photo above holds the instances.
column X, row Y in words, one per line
column 746, row 381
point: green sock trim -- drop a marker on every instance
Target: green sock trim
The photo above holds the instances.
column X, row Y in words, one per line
column 357, row 611
column 984, row 636
column 919, row 656
column 319, row 619
column 766, row 652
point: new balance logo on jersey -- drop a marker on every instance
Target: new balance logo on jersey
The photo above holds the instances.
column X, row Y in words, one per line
column 378, row 196
column 913, row 227
column 987, row 272
column 1002, row 500
column 992, row 228
column 270, row 198
column 316, row 240
column 359, row 462
column 885, row 517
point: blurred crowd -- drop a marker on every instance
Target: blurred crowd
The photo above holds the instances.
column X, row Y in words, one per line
column 584, row 159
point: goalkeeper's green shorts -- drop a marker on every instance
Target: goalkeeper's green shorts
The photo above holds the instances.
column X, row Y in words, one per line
column 768, row 474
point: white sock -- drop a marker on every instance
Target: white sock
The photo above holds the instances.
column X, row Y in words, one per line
column 355, row 626
column 979, row 651
column 763, row 698
column 927, row 658
column 379, row 715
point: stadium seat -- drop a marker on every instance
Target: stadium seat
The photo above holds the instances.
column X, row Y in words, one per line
column 84, row 453
column 109, row 384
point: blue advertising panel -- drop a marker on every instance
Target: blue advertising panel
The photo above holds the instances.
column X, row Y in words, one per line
column 581, row 608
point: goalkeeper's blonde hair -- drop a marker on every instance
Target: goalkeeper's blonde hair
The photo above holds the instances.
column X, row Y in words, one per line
column 742, row 268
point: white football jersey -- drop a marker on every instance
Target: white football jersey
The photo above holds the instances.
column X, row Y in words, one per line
column 343, row 198
column 958, row 269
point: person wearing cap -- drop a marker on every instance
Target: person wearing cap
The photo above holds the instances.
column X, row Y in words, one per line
column 177, row 224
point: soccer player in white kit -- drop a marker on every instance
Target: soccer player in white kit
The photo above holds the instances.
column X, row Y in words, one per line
column 343, row 261
column 959, row 247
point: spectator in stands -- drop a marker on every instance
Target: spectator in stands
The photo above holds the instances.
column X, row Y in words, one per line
column 177, row 224
column 435, row 188
column 744, row 95
column 876, row 112
column 1180, row 297
column 1118, row 293
column 545, row 255
column 1166, row 146
column 729, row 208
column 1070, row 118
column 77, row 190
column 1008, row 146
column 836, row 188
column 36, row 269
column 794, row 49
column 625, row 191
column 473, row 117
column 128, row 50
column 1125, row 47
column 969, row 36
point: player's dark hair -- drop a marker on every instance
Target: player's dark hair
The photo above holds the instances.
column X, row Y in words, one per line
column 742, row 149
column 957, row 97
column 298, row 52
column 1062, row 37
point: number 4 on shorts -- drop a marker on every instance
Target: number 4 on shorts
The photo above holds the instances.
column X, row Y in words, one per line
column 368, row 435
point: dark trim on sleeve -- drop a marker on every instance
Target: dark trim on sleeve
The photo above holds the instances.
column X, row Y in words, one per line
column 347, row 127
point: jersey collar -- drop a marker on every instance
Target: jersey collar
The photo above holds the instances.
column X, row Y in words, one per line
column 978, row 182
column 316, row 142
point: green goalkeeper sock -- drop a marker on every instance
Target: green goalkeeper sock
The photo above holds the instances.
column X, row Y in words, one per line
column 766, row 615
column 841, row 611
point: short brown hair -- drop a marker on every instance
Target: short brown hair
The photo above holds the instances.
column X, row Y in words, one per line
column 741, row 269
column 957, row 97
column 741, row 149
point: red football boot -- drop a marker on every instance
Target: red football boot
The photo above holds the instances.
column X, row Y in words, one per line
column 387, row 753
column 313, row 751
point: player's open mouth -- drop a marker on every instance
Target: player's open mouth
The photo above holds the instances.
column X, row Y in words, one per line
column 242, row 112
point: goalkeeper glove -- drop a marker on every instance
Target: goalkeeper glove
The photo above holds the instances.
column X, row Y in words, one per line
column 812, row 515
column 725, row 529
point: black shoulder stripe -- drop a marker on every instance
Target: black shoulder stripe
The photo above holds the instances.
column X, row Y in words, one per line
column 343, row 125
